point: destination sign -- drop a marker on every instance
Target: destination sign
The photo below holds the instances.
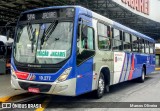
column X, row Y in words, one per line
column 48, row 14
column 51, row 53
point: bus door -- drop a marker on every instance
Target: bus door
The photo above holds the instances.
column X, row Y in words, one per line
column 85, row 54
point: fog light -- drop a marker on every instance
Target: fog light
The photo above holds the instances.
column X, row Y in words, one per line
column 63, row 88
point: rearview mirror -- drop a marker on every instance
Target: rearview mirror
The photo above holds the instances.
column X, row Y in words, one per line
column 84, row 31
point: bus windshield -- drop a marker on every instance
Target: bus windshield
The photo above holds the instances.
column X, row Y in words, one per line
column 43, row 43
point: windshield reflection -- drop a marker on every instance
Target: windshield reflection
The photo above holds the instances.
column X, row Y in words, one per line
column 50, row 44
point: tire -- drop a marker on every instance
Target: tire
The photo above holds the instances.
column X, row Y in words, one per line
column 142, row 78
column 100, row 88
column 107, row 89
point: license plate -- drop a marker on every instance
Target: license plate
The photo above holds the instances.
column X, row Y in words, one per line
column 34, row 90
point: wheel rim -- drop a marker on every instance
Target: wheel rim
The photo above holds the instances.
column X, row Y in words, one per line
column 101, row 85
column 143, row 76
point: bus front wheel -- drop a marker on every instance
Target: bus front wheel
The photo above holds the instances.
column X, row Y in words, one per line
column 101, row 87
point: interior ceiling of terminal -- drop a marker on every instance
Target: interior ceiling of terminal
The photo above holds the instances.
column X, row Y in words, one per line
column 11, row 9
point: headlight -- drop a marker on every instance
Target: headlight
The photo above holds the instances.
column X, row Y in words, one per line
column 64, row 75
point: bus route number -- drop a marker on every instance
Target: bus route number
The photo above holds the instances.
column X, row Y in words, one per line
column 31, row 16
column 45, row 78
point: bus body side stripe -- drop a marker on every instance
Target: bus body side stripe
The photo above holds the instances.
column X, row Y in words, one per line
column 125, row 71
column 129, row 67
column 132, row 68
column 122, row 68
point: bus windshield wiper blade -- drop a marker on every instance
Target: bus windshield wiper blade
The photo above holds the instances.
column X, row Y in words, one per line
column 29, row 30
column 31, row 35
column 48, row 32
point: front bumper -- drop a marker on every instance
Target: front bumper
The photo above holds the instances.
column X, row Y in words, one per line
column 66, row 88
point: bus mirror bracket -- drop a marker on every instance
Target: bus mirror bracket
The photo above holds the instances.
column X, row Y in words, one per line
column 79, row 45
column 7, row 34
column 79, row 48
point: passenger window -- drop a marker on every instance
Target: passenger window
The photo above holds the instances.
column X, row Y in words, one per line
column 117, row 40
column 102, row 30
column 127, row 42
column 151, row 45
column 141, row 46
column 104, row 41
column 135, row 43
column 147, row 47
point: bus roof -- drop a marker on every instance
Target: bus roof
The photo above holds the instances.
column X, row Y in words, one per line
column 90, row 13
column 51, row 7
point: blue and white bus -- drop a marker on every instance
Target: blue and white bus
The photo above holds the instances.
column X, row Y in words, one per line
column 70, row 50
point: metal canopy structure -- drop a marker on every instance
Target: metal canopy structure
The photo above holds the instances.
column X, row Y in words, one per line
column 11, row 9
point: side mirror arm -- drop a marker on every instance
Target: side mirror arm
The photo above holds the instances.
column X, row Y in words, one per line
column 80, row 49
column 7, row 34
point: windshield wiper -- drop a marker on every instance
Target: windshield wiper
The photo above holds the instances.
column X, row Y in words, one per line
column 48, row 32
column 31, row 35
column 29, row 30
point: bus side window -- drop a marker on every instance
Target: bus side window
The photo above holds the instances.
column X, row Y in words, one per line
column 104, row 39
column 151, row 45
column 141, row 46
column 135, row 43
column 147, row 46
column 117, row 40
column 127, row 41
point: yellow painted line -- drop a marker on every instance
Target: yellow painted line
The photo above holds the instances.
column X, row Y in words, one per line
column 4, row 99
column 157, row 68
column 43, row 105
column 13, row 97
